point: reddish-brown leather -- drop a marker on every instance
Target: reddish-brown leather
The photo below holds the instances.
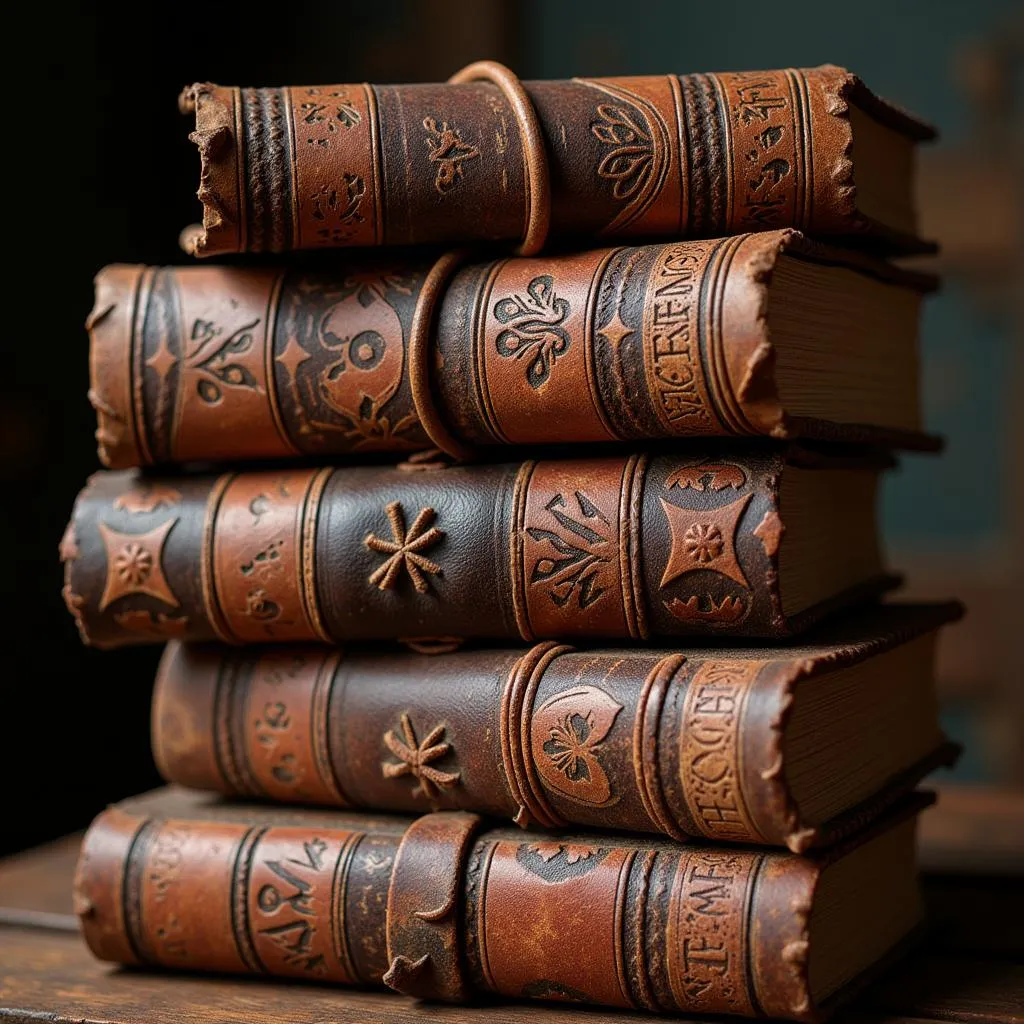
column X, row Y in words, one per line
column 231, row 363
column 603, row 548
column 689, row 744
column 681, row 156
column 178, row 881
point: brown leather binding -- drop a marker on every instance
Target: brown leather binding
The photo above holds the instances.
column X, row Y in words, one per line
column 489, row 158
column 600, row 548
column 179, row 881
column 231, row 363
column 411, row 732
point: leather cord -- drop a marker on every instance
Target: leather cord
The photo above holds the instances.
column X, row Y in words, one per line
column 538, row 176
column 419, row 369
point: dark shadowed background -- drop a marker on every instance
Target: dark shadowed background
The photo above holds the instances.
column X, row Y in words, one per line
column 100, row 171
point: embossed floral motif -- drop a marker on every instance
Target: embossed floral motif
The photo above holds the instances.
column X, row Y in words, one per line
column 415, row 758
column 379, row 283
column 707, row 477
column 575, row 564
column 147, row 499
column 548, row 850
column 133, row 564
column 535, row 328
column 260, row 606
column 217, row 361
column 703, row 542
column 565, row 739
column 405, row 550
column 361, row 333
column 337, row 209
column 725, row 612
column 319, row 109
column 449, row 151
column 631, row 160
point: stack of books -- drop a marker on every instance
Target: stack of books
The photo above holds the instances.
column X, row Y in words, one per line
column 595, row 527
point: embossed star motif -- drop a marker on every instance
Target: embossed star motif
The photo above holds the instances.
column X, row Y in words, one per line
column 616, row 330
column 162, row 360
column 414, row 758
column 293, row 356
column 134, row 564
column 704, row 539
column 405, row 549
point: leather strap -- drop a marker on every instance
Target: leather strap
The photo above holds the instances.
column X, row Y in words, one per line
column 423, row 902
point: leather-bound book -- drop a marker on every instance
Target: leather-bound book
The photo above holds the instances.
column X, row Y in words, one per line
column 759, row 334
column 757, row 543
column 444, row 907
column 487, row 158
column 791, row 746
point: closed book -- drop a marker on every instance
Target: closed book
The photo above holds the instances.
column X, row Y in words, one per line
column 757, row 543
column 444, row 907
column 791, row 746
column 488, row 158
column 765, row 334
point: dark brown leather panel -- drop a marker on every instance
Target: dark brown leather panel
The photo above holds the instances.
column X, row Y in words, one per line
column 659, row 341
column 437, row 563
column 670, row 156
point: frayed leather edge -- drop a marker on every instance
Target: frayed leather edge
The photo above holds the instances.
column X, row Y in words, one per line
column 756, row 392
column 213, row 137
column 796, row 954
column 69, row 553
column 841, row 174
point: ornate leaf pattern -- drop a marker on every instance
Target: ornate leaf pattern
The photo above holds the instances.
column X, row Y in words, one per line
column 535, row 328
column 215, row 359
column 631, row 161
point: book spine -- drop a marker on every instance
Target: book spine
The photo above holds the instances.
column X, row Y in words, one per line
column 440, row 911
column 620, row 547
column 227, row 363
column 682, row 156
column 643, row 742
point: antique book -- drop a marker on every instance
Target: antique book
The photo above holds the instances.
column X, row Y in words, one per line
column 487, row 158
column 791, row 746
column 444, row 907
column 759, row 334
column 757, row 543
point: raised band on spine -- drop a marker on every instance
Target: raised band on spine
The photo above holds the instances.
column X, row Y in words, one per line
column 520, row 775
column 731, row 407
column 517, row 573
column 214, row 615
column 645, row 745
column 320, row 726
column 270, row 361
column 538, row 177
column 420, row 334
column 512, row 753
column 138, row 367
column 308, row 555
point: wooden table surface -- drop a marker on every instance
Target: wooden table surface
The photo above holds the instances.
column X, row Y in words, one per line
column 969, row 971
